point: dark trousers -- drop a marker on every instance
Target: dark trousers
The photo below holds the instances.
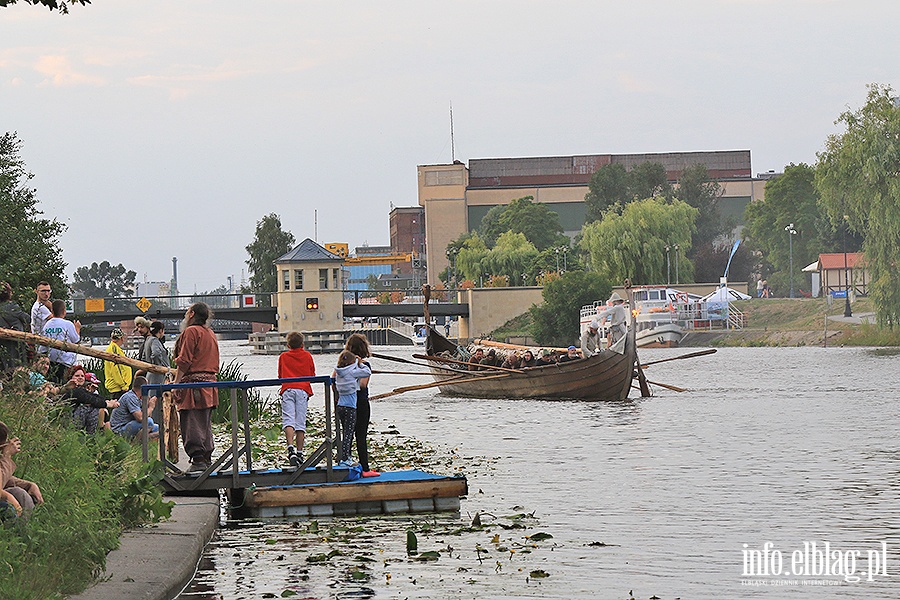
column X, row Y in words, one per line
column 363, row 414
column 196, row 432
column 347, row 417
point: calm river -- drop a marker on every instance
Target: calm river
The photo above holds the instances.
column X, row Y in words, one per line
column 718, row 492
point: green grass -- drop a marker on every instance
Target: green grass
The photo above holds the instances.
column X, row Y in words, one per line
column 93, row 488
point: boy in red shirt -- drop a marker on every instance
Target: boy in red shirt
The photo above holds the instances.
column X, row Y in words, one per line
column 296, row 362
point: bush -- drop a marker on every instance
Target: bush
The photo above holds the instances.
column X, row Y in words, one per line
column 93, row 488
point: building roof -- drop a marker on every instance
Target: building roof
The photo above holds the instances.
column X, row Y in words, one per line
column 836, row 260
column 309, row 251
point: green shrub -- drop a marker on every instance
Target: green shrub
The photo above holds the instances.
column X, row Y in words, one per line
column 93, row 488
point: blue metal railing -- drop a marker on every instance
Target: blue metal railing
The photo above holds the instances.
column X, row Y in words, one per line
column 240, row 427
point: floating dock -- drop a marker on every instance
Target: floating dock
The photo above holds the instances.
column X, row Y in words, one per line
column 397, row 492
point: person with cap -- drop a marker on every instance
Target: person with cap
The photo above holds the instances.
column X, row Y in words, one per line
column 591, row 342
column 546, row 358
column 617, row 316
column 118, row 376
column 491, row 359
column 571, row 354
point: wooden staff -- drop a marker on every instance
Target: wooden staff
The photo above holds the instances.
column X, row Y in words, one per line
column 505, row 346
column 39, row 340
column 401, row 372
column 667, row 386
column 689, row 355
column 462, row 362
column 451, row 381
column 410, row 362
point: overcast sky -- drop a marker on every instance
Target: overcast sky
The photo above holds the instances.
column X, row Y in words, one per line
column 168, row 128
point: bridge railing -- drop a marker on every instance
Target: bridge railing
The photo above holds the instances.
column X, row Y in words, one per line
column 154, row 303
column 227, row 468
column 405, row 296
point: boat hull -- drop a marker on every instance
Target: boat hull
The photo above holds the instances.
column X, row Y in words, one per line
column 668, row 335
column 606, row 376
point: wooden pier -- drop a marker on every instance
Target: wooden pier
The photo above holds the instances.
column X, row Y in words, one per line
column 398, row 492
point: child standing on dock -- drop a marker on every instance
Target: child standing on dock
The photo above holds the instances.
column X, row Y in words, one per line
column 296, row 362
column 350, row 369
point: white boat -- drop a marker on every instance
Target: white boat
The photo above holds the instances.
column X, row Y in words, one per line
column 658, row 312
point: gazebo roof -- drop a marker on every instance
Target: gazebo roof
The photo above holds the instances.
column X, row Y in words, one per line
column 309, row 251
column 836, row 260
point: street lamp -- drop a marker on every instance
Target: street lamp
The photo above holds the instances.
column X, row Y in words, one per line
column 847, row 311
column 557, row 259
column 791, row 232
column 668, row 267
column 677, row 273
column 451, row 256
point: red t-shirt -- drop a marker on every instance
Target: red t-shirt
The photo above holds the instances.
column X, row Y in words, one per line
column 296, row 362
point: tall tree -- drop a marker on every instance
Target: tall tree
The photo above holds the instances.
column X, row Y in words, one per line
column 633, row 245
column 696, row 189
column 556, row 319
column 607, row 188
column 470, row 259
column 534, row 220
column 29, row 251
column 790, row 198
column 858, row 175
column 270, row 242
column 511, row 256
column 647, row 180
column 103, row 280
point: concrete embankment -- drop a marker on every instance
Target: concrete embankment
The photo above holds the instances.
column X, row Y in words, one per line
column 156, row 562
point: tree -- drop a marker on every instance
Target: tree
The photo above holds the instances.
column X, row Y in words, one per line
column 607, row 188
column 29, row 251
column 534, row 220
column 512, row 257
column 696, row 189
column 790, row 198
column 633, row 245
column 612, row 187
column 103, row 280
column 62, row 6
column 858, row 175
column 269, row 243
column 470, row 258
column 556, row 319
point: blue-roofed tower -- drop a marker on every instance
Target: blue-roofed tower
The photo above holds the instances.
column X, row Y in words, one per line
column 310, row 291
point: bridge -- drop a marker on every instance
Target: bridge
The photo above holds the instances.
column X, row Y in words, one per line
column 236, row 308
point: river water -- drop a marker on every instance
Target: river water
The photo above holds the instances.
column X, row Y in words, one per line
column 673, row 496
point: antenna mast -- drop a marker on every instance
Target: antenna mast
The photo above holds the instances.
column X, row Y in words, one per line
column 452, row 141
column 316, row 225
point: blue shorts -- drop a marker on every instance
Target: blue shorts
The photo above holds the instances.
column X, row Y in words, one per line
column 133, row 428
column 293, row 409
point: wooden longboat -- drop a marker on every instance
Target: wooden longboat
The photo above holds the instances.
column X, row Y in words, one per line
column 606, row 376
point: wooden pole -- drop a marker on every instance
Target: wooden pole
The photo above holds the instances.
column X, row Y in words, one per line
column 39, row 340
column 462, row 362
column 667, row 386
column 451, row 381
column 689, row 355
column 410, row 362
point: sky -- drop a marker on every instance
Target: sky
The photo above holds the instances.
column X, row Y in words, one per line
column 168, row 128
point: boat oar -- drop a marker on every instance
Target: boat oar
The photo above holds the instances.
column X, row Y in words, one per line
column 505, row 346
column 39, row 340
column 667, row 386
column 412, row 362
column 688, row 355
column 462, row 362
column 451, row 381
column 401, row 373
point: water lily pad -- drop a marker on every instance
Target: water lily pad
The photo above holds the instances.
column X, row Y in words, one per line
column 428, row 556
column 539, row 536
column 539, row 574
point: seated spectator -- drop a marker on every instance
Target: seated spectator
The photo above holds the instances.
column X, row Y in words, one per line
column 21, row 494
column 491, row 359
column 512, row 361
column 528, row 359
column 547, row 358
column 37, row 376
column 571, row 354
column 476, row 360
column 128, row 418
column 86, row 415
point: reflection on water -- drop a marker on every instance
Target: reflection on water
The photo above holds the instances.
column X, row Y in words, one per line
column 655, row 496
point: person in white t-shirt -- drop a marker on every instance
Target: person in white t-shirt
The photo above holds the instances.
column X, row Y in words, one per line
column 40, row 310
column 59, row 328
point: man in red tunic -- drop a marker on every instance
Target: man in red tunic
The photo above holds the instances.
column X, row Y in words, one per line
column 197, row 358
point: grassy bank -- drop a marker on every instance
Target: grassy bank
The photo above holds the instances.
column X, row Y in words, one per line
column 774, row 322
column 93, row 488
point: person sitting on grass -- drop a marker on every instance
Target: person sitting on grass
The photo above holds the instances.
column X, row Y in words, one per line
column 21, row 494
column 128, row 418
column 37, row 376
column 88, row 405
